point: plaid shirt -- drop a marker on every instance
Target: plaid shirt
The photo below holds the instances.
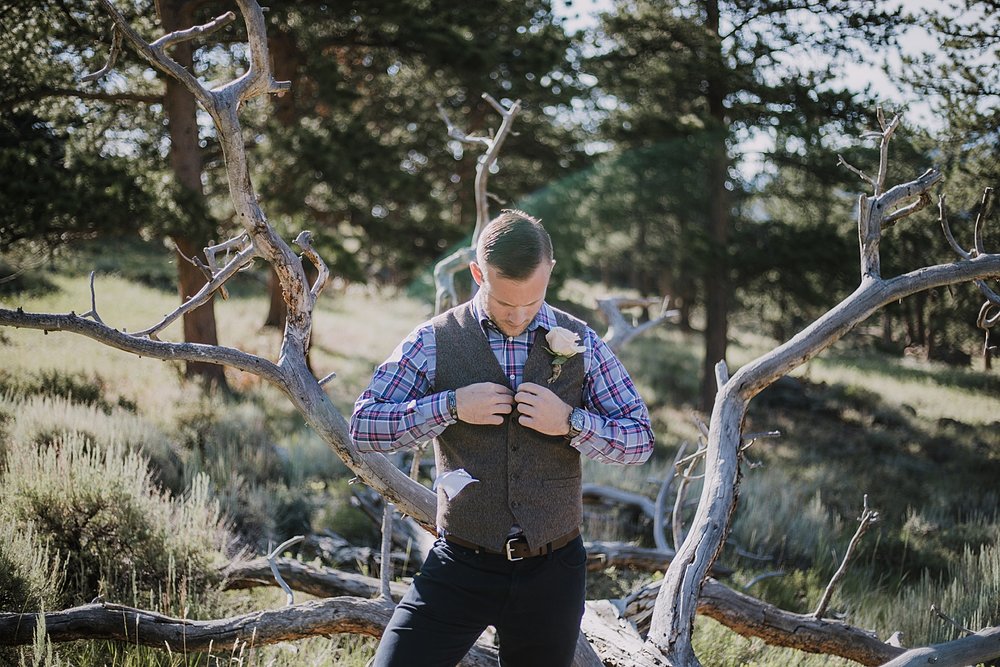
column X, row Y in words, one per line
column 398, row 409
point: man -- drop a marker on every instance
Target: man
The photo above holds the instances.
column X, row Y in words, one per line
column 512, row 401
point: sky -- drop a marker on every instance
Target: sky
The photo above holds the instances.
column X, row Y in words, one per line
column 579, row 14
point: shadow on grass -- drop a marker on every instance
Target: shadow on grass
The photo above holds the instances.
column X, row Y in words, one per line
column 933, row 482
column 938, row 374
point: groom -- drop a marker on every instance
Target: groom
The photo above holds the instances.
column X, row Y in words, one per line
column 514, row 391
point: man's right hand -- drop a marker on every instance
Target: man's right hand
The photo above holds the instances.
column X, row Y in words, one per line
column 484, row 403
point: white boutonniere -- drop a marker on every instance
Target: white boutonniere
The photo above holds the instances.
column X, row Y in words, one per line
column 562, row 345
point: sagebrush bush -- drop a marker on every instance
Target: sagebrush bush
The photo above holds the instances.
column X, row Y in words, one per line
column 42, row 420
column 30, row 576
column 118, row 535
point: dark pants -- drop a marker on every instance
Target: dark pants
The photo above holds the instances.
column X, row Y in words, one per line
column 535, row 604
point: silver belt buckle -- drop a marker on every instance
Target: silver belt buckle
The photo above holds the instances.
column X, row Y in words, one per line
column 510, row 554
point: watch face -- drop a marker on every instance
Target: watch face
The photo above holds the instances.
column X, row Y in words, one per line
column 576, row 420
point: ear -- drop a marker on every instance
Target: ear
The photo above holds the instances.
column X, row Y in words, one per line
column 477, row 273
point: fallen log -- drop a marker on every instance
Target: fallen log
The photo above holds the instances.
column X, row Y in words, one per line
column 147, row 628
column 974, row 649
column 750, row 617
column 602, row 555
column 139, row 627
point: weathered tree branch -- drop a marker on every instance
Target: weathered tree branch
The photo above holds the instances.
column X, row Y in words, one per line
column 444, row 271
column 217, row 282
column 179, row 36
column 143, row 347
column 751, row 617
column 92, row 313
column 865, row 521
column 272, row 563
column 950, row 621
column 145, row 628
column 620, row 331
column 320, row 582
column 970, row 650
column 883, row 159
column 660, row 505
column 116, row 47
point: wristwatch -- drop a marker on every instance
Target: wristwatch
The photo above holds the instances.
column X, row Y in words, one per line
column 453, row 404
column 576, row 422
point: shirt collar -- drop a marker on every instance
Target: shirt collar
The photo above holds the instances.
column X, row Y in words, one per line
column 546, row 317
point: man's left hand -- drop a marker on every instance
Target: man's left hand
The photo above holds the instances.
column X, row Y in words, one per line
column 541, row 410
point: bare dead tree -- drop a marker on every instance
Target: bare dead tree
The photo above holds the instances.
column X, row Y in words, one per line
column 445, row 270
column 677, row 600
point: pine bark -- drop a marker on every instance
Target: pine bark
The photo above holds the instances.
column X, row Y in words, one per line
column 717, row 276
column 185, row 160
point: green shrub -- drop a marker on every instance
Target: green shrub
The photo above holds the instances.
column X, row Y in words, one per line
column 18, row 279
column 72, row 386
column 117, row 534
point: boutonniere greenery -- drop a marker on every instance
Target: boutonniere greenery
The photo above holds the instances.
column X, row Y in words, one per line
column 563, row 344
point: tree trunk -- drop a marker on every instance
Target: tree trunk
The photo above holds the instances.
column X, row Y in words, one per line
column 185, row 160
column 286, row 62
column 276, row 310
column 717, row 274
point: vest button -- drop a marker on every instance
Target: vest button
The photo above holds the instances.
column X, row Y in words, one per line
column 515, row 504
column 514, row 448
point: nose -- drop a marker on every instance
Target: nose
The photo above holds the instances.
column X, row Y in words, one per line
column 518, row 316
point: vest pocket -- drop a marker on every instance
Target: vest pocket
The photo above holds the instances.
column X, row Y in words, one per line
column 561, row 482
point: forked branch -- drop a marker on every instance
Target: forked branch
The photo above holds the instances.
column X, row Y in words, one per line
column 444, row 271
column 116, row 47
column 217, row 282
column 620, row 330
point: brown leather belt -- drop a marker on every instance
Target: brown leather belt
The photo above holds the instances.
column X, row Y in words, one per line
column 516, row 548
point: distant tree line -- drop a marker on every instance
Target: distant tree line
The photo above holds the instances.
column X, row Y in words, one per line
column 632, row 144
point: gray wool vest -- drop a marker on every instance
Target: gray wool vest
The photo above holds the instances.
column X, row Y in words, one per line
column 525, row 477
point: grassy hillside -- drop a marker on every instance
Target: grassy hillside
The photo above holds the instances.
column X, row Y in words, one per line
column 210, row 476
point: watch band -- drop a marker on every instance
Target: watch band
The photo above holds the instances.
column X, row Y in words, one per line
column 576, row 423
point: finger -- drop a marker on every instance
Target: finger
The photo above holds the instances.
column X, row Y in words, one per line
column 503, row 409
column 532, row 388
column 493, row 420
